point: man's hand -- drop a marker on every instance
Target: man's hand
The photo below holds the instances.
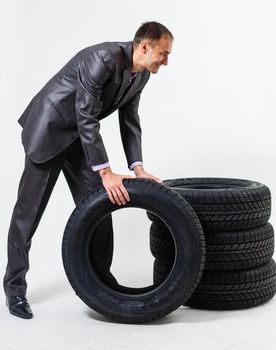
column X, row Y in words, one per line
column 113, row 183
column 140, row 172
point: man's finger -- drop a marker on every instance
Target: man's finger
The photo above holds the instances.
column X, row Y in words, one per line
column 116, row 197
column 157, row 179
column 125, row 193
column 154, row 178
column 121, row 195
column 110, row 196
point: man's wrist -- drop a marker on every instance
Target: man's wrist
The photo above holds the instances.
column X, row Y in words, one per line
column 105, row 171
column 134, row 164
column 138, row 169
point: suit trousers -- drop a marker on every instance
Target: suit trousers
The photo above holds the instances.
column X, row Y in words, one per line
column 35, row 188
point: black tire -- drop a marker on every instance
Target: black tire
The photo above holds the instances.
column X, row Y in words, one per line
column 235, row 289
column 161, row 270
column 162, row 244
column 224, row 204
column 235, row 250
column 229, row 290
column 135, row 305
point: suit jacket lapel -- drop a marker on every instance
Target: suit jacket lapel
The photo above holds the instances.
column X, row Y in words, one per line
column 132, row 88
column 124, row 85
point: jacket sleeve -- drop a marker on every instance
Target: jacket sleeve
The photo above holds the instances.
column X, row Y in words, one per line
column 131, row 130
column 92, row 74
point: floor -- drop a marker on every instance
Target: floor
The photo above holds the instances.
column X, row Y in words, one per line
column 63, row 321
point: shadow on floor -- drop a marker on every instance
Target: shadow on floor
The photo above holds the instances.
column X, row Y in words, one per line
column 181, row 315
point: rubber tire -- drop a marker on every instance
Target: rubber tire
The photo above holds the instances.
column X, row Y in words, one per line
column 235, row 250
column 135, row 305
column 224, row 204
column 229, row 290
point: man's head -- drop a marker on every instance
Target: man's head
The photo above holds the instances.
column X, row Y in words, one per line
column 152, row 44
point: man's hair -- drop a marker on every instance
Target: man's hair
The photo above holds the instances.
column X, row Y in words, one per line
column 152, row 31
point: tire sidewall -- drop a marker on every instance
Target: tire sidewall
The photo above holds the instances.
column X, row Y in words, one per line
column 180, row 283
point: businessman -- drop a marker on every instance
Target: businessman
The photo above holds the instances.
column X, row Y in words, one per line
column 61, row 132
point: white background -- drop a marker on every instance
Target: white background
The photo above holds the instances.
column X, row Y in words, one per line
column 210, row 112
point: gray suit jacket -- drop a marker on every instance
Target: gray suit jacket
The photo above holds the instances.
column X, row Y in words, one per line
column 92, row 85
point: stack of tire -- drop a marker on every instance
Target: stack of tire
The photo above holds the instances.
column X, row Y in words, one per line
column 239, row 270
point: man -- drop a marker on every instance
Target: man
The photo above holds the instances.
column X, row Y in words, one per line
column 61, row 132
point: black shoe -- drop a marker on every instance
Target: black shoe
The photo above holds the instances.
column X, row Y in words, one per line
column 19, row 306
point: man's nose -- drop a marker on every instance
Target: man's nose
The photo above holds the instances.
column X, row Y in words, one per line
column 165, row 61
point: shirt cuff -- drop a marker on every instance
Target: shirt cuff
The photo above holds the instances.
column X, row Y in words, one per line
column 134, row 164
column 100, row 166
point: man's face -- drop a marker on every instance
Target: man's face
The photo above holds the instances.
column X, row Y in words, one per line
column 156, row 54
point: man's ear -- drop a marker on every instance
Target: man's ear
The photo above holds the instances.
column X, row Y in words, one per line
column 144, row 45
